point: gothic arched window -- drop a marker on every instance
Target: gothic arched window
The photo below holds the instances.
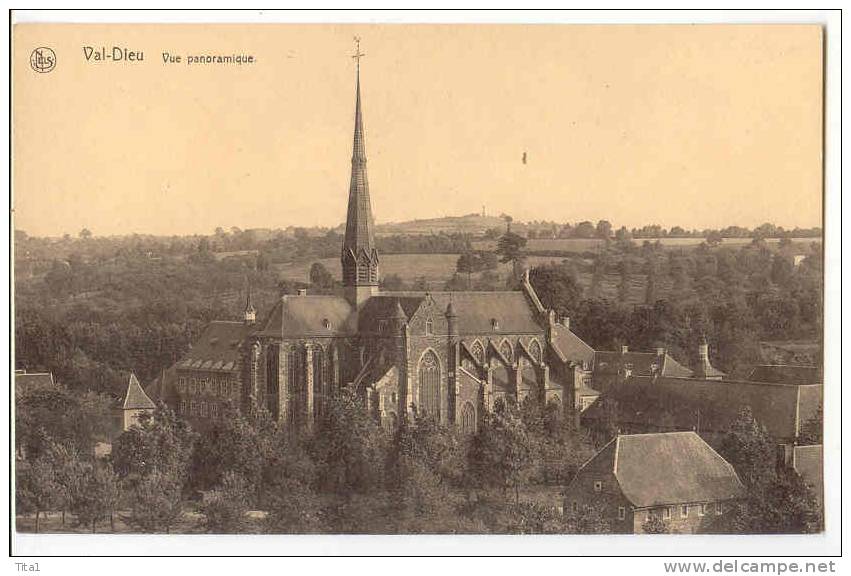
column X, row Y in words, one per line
column 505, row 350
column 478, row 352
column 272, row 383
column 535, row 351
column 320, row 381
column 468, row 418
column 295, row 385
column 429, row 377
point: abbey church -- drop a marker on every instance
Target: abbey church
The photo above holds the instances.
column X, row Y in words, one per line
column 447, row 354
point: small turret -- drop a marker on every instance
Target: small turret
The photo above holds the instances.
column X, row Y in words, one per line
column 704, row 369
column 249, row 315
column 451, row 317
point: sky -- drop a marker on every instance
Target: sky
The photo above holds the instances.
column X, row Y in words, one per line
column 696, row 126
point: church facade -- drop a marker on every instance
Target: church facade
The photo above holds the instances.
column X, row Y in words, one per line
column 450, row 355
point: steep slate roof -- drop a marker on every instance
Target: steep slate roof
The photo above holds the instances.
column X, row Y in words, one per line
column 476, row 310
column 709, row 405
column 786, row 374
column 136, row 399
column 673, row 467
column 305, row 315
column 571, row 347
column 385, row 306
column 669, row 468
column 611, row 362
column 359, row 225
column 217, row 348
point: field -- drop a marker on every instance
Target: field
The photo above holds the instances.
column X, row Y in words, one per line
column 592, row 244
column 435, row 268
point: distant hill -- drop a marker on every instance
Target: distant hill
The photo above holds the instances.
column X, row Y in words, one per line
column 469, row 224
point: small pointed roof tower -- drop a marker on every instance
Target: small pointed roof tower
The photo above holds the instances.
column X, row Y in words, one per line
column 249, row 315
column 136, row 398
column 359, row 256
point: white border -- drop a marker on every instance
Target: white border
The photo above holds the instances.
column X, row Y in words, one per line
column 823, row 545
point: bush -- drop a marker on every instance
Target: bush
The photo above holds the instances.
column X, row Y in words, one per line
column 224, row 508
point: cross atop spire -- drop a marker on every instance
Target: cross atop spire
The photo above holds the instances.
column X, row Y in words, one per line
column 358, row 54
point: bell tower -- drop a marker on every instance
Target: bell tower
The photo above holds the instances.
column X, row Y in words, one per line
column 359, row 256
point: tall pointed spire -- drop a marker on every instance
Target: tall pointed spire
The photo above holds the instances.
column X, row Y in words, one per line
column 359, row 257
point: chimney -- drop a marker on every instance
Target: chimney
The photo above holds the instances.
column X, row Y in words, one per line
column 660, row 351
column 302, row 291
column 565, row 321
column 624, row 349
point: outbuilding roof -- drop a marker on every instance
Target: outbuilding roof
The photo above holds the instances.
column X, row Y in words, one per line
column 669, row 468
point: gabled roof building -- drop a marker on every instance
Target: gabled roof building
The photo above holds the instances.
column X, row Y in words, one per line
column 675, row 476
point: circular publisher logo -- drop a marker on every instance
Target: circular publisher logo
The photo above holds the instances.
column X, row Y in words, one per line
column 43, row 60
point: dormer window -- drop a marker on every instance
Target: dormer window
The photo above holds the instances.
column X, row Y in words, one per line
column 429, row 326
column 494, row 323
column 326, row 323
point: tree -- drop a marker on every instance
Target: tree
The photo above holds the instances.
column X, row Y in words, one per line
column 320, row 277
column 156, row 502
column 467, row 263
column 510, row 249
column 714, row 238
column 236, row 443
column 162, row 443
column 294, row 508
column 748, row 447
column 68, row 470
column 36, row 487
column 502, row 452
column 557, row 287
column 604, row 229
column 779, row 504
column 85, row 234
column 423, row 460
column 225, row 507
column 588, row 519
column 350, row 456
column 95, row 496
column 811, row 429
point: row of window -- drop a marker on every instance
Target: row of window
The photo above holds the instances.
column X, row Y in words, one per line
column 199, row 408
column 212, row 385
column 702, row 510
column 667, row 512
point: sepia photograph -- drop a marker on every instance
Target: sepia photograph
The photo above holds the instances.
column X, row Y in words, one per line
column 418, row 279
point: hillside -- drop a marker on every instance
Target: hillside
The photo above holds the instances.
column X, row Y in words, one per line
column 469, row 224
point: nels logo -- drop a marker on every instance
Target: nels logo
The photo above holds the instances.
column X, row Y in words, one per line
column 43, row 60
